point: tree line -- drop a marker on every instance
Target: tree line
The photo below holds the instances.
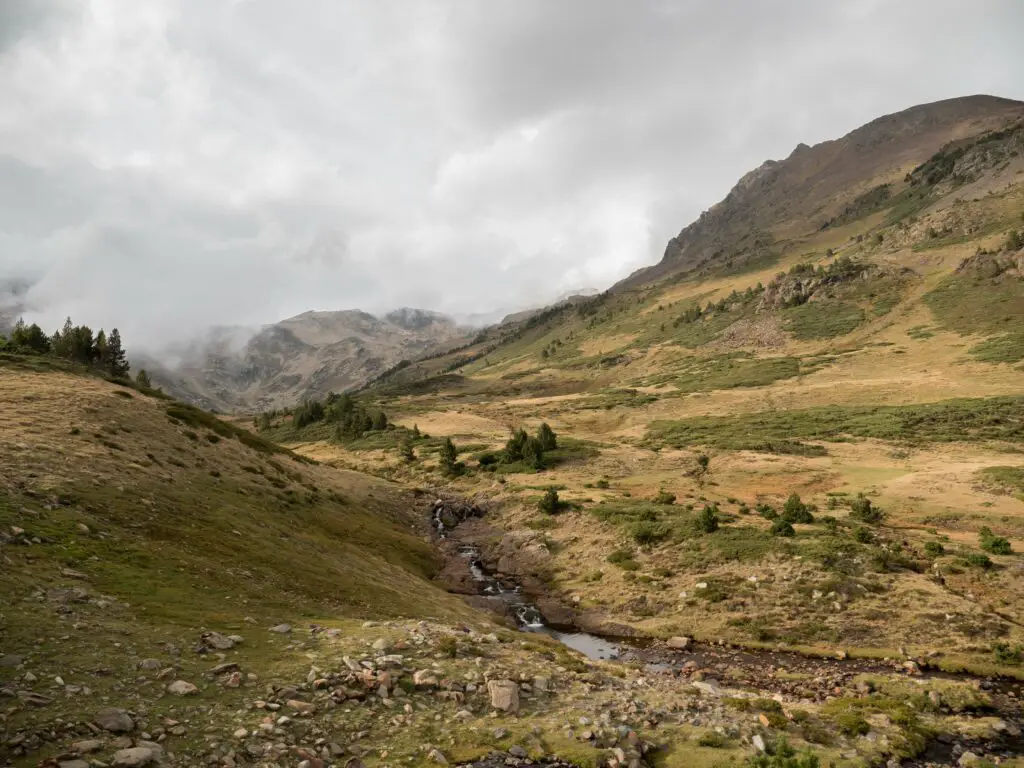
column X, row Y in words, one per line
column 77, row 344
column 353, row 419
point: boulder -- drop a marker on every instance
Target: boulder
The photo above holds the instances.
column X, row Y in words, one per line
column 678, row 643
column 282, row 629
column 114, row 720
column 504, row 695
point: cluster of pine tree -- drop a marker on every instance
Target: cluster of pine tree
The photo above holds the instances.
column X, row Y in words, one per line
column 530, row 449
column 77, row 344
column 352, row 417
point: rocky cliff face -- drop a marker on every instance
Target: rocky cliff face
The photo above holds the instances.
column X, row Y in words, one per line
column 795, row 196
column 304, row 356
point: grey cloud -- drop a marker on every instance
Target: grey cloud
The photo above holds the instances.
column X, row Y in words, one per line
column 176, row 164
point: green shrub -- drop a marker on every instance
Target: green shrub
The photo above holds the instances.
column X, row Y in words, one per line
column 707, row 520
column 795, row 511
column 550, row 503
column 934, row 549
column 1007, row 654
column 766, row 511
column 863, row 535
column 646, row 533
column 997, row 545
column 782, row 527
column 713, row 739
column 664, row 497
column 862, row 509
column 782, row 755
column 978, row 560
column 602, row 483
column 624, row 559
column 851, row 723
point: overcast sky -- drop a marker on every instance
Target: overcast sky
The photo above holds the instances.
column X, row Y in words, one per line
column 170, row 164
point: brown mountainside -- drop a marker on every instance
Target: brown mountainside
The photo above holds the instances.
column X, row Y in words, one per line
column 793, row 197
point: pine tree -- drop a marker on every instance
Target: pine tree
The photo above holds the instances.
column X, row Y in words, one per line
column 29, row 338
column 118, row 366
column 142, row 379
column 101, row 350
column 406, row 451
column 546, row 435
column 63, row 340
column 449, row 453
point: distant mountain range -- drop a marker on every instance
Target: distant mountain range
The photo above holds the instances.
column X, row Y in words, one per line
column 235, row 368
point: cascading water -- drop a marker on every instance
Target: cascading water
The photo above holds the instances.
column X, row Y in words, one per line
column 527, row 616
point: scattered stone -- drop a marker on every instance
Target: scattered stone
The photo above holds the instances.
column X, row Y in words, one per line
column 708, row 687
column 10, row 660
column 678, row 643
column 504, row 695
column 436, row 756
column 758, row 741
column 135, row 756
column 150, row 664
column 517, row 751
column 701, row 585
column 282, row 629
column 968, row 759
column 73, row 764
column 241, row 733
column 114, row 720
column 35, row 699
column 182, row 688
column 763, row 719
column 381, row 644
column 87, row 746
column 71, row 574
column 301, row 707
column 423, row 677
column 217, row 641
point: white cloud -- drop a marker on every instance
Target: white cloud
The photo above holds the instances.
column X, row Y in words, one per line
column 170, row 164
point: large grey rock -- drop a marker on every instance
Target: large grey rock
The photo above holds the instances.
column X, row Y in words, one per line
column 282, row 629
column 504, row 695
column 114, row 720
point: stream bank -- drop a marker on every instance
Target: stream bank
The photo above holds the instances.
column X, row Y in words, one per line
column 476, row 568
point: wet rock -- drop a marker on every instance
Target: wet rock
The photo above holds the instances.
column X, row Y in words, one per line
column 504, row 695
column 114, row 720
column 73, row 764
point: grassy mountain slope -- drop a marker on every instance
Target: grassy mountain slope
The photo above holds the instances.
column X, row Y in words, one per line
column 129, row 524
column 873, row 348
